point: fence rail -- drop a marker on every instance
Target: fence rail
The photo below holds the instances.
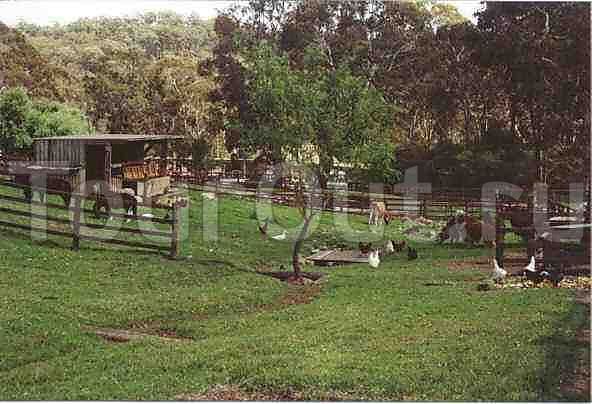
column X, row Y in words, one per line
column 438, row 205
column 74, row 223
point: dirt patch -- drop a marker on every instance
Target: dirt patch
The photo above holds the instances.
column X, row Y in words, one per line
column 119, row 335
column 288, row 276
column 232, row 392
column 295, row 293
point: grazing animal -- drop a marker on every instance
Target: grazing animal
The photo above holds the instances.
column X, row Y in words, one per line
column 364, row 247
column 411, row 254
column 53, row 186
column 378, row 212
column 113, row 200
column 454, row 230
column 476, row 229
column 389, row 247
column 399, row 245
column 499, row 273
column 374, row 259
column 281, row 236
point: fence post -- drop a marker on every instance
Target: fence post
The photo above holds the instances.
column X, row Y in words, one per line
column 175, row 231
column 76, row 224
column 500, row 233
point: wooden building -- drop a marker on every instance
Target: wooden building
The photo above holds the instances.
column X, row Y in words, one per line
column 114, row 160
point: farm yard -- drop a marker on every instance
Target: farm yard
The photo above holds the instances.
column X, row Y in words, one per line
column 211, row 326
column 302, row 200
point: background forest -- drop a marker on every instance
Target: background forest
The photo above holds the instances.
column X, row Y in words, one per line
column 379, row 86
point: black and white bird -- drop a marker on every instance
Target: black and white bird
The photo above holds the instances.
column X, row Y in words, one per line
column 532, row 274
column 499, row 273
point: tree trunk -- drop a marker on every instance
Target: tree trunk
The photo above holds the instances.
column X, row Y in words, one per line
column 299, row 241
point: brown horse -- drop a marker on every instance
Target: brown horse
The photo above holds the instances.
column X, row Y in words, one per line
column 53, row 186
column 114, row 200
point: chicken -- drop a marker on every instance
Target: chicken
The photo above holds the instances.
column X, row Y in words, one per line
column 364, row 247
column 374, row 259
column 499, row 273
column 399, row 245
column 389, row 247
column 411, row 254
column 263, row 227
column 532, row 274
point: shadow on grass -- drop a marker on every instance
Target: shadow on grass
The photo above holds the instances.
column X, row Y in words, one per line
column 65, row 244
column 566, row 356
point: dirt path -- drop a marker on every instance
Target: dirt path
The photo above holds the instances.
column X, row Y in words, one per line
column 164, row 329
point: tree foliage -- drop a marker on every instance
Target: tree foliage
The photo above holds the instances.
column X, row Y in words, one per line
column 22, row 119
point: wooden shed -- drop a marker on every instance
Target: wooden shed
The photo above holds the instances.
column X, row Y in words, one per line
column 117, row 160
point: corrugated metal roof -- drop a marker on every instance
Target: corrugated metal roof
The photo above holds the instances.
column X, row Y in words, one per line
column 113, row 137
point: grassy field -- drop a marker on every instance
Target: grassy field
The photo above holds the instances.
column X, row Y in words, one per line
column 382, row 334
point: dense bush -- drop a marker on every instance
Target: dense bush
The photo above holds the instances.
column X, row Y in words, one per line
column 22, row 119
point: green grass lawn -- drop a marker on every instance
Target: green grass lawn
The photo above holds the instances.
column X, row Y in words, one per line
column 381, row 334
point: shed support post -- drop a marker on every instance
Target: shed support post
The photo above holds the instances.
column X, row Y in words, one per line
column 76, row 223
column 175, row 231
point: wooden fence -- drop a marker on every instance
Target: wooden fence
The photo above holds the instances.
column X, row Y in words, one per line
column 73, row 226
column 357, row 202
column 438, row 205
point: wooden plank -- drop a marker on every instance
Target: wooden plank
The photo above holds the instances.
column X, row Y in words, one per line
column 35, row 229
column 339, row 256
column 131, row 217
column 124, row 243
column 36, row 203
column 126, row 230
column 35, row 215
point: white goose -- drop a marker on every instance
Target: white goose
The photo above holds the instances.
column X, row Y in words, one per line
column 499, row 273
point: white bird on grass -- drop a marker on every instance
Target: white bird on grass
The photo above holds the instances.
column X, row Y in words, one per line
column 389, row 247
column 499, row 273
column 374, row 259
column 280, row 236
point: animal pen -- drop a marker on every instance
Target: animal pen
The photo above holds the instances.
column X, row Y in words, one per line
column 114, row 160
column 73, row 165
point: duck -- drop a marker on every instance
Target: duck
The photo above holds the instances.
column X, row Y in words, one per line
column 499, row 273
column 374, row 259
